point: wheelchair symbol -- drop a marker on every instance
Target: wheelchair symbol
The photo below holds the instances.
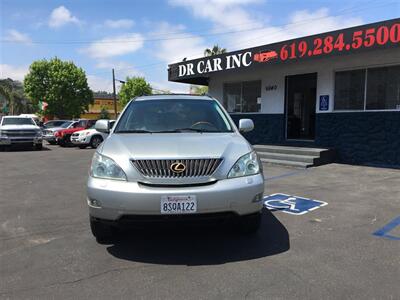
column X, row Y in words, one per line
column 289, row 203
column 292, row 204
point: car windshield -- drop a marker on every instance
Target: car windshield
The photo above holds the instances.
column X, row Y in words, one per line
column 18, row 121
column 175, row 115
column 52, row 124
column 66, row 124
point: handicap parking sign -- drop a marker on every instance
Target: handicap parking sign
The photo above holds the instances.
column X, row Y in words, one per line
column 292, row 204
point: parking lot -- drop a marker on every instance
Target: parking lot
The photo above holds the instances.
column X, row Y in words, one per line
column 47, row 250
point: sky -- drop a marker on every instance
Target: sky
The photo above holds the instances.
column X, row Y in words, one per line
column 140, row 38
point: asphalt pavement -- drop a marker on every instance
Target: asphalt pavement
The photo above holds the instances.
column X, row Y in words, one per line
column 331, row 252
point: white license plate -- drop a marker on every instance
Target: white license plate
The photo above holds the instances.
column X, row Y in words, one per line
column 178, row 204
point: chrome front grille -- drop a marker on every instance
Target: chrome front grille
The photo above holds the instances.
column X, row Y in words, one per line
column 48, row 132
column 161, row 168
column 19, row 133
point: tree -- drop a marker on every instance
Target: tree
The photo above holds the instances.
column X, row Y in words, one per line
column 215, row 50
column 104, row 114
column 16, row 101
column 133, row 87
column 199, row 89
column 61, row 84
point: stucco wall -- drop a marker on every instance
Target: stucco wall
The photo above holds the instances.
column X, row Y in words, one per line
column 272, row 102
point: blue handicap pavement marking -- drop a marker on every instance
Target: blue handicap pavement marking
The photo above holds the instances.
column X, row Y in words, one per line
column 292, row 204
column 384, row 231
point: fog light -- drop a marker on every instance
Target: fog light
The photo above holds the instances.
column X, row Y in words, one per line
column 258, row 197
column 94, row 203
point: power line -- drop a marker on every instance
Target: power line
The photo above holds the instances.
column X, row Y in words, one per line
column 288, row 25
column 113, row 41
column 349, row 10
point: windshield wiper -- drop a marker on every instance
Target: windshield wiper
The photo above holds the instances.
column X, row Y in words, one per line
column 184, row 129
column 134, row 131
column 194, row 129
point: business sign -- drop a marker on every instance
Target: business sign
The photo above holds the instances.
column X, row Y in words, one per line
column 351, row 40
column 324, row 102
column 294, row 205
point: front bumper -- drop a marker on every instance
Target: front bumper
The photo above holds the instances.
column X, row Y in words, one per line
column 49, row 138
column 118, row 199
column 20, row 140
column 77, row 140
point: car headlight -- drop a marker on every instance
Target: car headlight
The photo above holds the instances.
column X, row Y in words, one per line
column 39, row 133
column 104, row 167
column 247, row 165
column 3, row 134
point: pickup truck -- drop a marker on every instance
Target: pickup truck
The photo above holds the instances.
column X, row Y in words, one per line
column 17, row 130
column 63, row 137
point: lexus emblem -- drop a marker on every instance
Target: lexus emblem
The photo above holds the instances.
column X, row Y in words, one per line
column 177, row 167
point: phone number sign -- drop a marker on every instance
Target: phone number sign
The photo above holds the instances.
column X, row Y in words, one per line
column 351, row 40
column 336, row 42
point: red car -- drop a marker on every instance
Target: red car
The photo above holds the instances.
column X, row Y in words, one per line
column 63, row 137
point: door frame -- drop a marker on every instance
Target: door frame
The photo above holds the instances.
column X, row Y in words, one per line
column 287, row 103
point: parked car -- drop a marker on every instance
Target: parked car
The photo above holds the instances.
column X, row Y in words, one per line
column 54, row 123
column 63, row 136
column 89, row 137
column 174, row 157
column 16, row 130
column 49, row 133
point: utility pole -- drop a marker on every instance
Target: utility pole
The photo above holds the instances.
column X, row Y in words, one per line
column 114, row 95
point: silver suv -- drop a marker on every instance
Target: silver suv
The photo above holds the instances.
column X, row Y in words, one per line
column 174, row 157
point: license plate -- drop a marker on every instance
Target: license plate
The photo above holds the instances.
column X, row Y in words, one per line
column 178, row 204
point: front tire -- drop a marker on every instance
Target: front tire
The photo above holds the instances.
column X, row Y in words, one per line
column 38, row 147
column 250, row 224
column 61, row 142
column 102, row 232
column 95, row 141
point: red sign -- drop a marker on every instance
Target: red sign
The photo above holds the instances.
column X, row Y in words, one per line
column 366, row 38
column 265, row 56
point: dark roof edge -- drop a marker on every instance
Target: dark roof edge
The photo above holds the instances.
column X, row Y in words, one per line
column 287, row 41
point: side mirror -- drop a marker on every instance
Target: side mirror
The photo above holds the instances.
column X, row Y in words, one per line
column 102, row 126
column 246, row 125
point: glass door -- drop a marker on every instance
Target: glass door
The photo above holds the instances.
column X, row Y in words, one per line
column 301, row 93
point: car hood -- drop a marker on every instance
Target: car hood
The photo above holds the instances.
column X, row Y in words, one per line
column 123, row 148
column 54, row 129
column 71, row 130
column 19, row 127
column 90, row 131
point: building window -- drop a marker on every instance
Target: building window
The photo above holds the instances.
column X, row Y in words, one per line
column 368, row 89
column 383, row 88
column 232, row 97
column 349, row 89
column 242, row 96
